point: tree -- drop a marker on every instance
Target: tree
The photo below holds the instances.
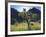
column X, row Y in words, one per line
column 26, row 18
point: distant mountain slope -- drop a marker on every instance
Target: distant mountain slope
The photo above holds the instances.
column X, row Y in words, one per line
column 14, row 12
column 37, row 13
column 15, row 17
column 34, row 10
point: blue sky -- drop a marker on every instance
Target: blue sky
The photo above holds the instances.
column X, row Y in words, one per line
column 20, row 7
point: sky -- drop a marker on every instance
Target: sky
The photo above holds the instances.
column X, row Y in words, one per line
column 20, row 7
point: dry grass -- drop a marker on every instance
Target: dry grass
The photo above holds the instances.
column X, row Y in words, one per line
column 24, row 26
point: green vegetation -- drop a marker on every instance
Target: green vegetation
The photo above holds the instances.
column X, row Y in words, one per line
column 24, row 26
